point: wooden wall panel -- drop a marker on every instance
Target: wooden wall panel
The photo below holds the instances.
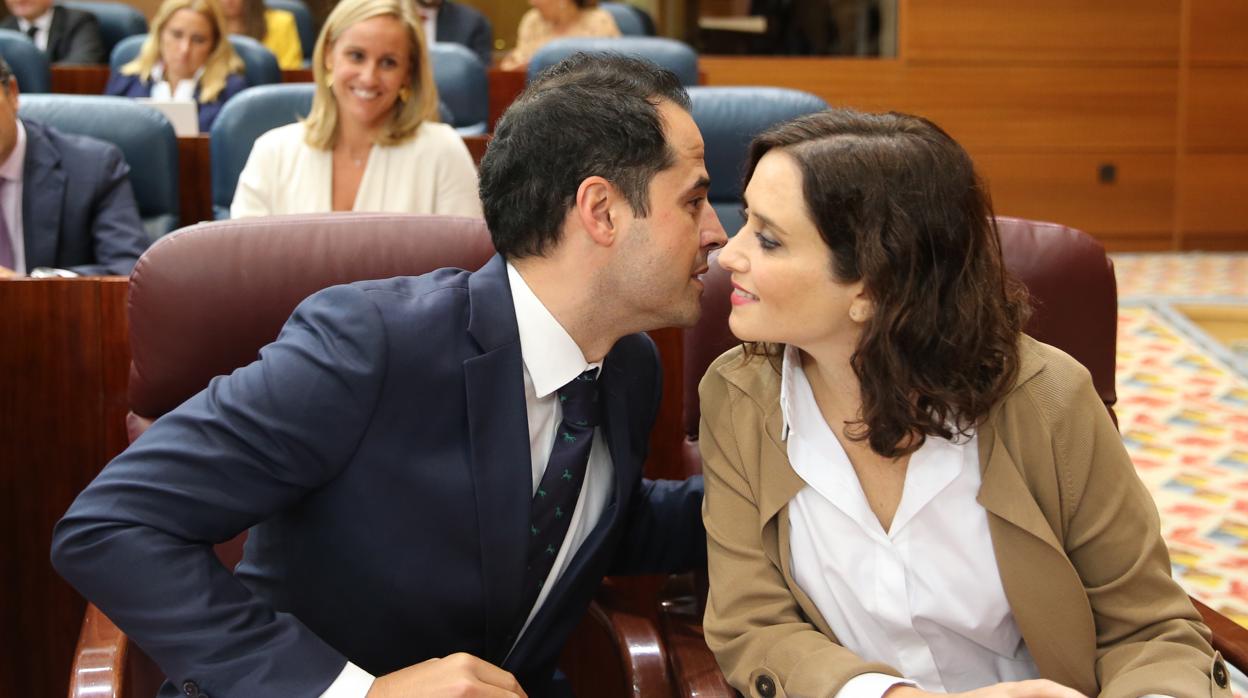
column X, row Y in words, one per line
column 1217, row 108
column 1136, row 211
column 1058, row 31
column 1219, row 31
column 1212, row 197
column 991, row 108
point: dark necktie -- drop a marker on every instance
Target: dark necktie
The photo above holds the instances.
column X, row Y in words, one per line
column 561, row 484
column 7, row 256
column 32, row 31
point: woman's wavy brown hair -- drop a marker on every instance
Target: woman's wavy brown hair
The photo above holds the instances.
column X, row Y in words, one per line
column 899, row 204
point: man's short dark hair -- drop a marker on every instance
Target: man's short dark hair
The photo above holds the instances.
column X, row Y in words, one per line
column 587, row 115
column 6, row 73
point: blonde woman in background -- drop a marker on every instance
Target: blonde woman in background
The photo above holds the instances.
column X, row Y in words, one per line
column 186, row 56
column 372, row 141
column 273, row 28
column 557, row 19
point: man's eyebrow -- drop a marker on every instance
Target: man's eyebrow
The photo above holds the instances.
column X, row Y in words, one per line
column 704, row 182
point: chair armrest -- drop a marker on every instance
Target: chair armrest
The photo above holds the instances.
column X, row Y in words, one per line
column 99, row 659
column 615, row 652
column 1229, row 638
column 695, row 673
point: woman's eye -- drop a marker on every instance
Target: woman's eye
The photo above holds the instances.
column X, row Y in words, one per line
column 765, row 242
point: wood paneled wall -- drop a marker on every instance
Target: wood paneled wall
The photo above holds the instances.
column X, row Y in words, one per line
column 1121, row 117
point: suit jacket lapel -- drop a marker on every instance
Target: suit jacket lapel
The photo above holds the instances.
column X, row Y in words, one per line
column 499, row 437
column 43, row 190
column 56, row 32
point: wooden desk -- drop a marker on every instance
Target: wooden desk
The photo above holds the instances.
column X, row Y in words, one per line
column 79, row 79
column 64, row 362
column 194, row 179
column 505, row 86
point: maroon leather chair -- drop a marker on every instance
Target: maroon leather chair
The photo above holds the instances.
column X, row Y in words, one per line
column 1075, row 308
column 204, row 300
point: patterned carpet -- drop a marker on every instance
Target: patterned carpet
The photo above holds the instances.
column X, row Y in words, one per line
column 1183, row 411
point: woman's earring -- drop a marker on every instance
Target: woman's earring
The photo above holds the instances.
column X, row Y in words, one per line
column 405, row 93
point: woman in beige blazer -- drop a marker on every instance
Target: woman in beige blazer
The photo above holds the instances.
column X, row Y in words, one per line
column 905, row 495
column 372, row 141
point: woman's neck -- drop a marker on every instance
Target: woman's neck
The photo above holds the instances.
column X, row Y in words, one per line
column 565, row 17
column 833, row 382
column 235, row 25
column 355, row 139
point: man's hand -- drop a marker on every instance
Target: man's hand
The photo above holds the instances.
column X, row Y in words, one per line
column 1036, row 688
column 459, row 676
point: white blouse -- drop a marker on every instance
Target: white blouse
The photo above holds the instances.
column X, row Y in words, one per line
column 432, row 173
column 925, row 596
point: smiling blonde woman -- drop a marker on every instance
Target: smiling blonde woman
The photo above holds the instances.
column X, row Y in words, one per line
column 372, row 141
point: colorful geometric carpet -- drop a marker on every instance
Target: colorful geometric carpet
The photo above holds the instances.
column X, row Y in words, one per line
column 1183, row 412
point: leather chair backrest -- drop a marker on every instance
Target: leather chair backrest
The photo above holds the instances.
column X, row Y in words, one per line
column 241, row 121
column 304, row 24
column 144, row 135
column 259, row 64
column 1074, row 297
column 29, row 64
column 627, row 18
column 463, row 86
column 204, row 300
column 729, row 118
column 671, row 54
column 117, row 20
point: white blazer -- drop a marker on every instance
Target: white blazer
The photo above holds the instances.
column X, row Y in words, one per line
column 431, row 173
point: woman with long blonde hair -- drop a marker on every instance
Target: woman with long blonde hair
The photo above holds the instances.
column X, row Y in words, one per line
column 372, row 141
column 186, row 56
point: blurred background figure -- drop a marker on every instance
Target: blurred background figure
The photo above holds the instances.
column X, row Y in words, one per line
column 372, row 141
column 65, row 200
column 65, row 35
column 454, row 23
column 186, row 56
column 557, row 19
column 273, row 28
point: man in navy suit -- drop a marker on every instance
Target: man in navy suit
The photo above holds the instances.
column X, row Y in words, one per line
column 460, row 24
column 436, row 471
column 66, row 35
column 65, row 200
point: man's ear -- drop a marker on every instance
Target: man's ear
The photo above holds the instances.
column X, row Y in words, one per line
column 594, row 200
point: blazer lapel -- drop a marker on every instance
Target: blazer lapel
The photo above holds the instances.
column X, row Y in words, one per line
column 56, row 33
column 1044, row 590
column 499, row 438
column 43, row 190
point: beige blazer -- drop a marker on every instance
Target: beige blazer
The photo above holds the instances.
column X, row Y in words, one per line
column 432, row 173
column 1076, row 536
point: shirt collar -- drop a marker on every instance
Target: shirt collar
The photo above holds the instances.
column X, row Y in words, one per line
column 158, row 72
column 788, row 374
column 11, row 170
column 550, row 355
column 43, row 21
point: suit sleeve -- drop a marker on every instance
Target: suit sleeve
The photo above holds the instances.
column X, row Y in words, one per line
column 83, row 42
column 753, row 623
column 1149, row 637
column 255, row 191
column 138, row 541
column 664, row 532
column 481, row 40
column 117, row 233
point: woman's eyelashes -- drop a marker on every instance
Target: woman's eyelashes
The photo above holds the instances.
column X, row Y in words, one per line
column 765, row 242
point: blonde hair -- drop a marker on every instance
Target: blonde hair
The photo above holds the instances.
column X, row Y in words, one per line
column 321, row 126
column 221, row 63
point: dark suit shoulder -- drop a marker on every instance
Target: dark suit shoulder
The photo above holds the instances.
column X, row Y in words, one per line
column 9, row 22
column 83, row 151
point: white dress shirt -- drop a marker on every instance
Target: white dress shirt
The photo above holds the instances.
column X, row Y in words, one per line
column 551, row 359
column 162, row 90
column 429, row 16
column 11, row 172
column 925, row 596
column 43, row 29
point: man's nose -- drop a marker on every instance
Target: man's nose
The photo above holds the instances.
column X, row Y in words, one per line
column 713, row 235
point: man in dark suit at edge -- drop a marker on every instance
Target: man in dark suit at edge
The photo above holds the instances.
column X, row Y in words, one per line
column 66, row 35
column 458, row 24
column 403, row 453
column 65, row 200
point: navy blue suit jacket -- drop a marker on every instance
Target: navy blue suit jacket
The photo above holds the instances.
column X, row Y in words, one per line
column 78, row 210
column 460, row 24
column 379, row 452
column 131, row 86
